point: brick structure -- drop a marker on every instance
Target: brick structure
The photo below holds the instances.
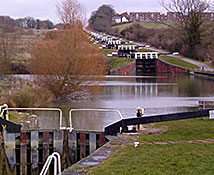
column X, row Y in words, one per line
column 157, row 16
column 163, row 67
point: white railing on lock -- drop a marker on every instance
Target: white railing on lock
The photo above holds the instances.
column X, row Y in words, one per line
column 37, row 109
column 57, row 164
column 99, row 110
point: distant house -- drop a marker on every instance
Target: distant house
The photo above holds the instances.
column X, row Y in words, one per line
column 117, row 19
column 122, row 18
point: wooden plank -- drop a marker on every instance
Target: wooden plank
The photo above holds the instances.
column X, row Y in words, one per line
column 92, row 141
column 46, row 137
column 72, row 145
column 102, row 139
column 58, row 141
column 34, row 150
column 23, row 153
column 82, row 145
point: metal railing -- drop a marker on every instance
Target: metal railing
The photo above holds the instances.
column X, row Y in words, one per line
column 36, row 109
column 57, row 164
column 5, row 108
column 99, row 110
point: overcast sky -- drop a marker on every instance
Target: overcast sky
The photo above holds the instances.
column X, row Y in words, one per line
column 45, row 9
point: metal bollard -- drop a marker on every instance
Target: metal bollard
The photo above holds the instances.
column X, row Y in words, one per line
column 139, row 113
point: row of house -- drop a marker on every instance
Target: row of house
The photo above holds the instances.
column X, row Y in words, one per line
column 153, row 16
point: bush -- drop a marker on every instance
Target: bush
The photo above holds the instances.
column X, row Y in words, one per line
column 19, row 68
column 29, row 97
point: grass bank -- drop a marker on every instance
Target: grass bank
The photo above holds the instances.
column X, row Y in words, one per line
column 149, row 25
column 166, row 159
column 116, row 63
column 179, row 62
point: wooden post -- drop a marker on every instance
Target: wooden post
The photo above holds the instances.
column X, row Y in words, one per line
column 58, row 141
column 45, row 145
column 23, row 153
column 34, row 151
column 82, row 145
column 9, row 143
column 92, row 141
column 102, row 139
column 72, row 144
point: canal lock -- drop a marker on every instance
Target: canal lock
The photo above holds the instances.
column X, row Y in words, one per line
column 26, row 152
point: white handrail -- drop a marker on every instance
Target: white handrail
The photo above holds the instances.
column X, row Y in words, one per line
column 38, row 109
column 55, row 156
column 4, row 106
column 101, row 110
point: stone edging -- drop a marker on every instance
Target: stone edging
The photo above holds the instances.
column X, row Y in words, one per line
column 99, row 156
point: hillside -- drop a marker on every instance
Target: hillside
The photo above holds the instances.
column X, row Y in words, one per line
column 148, row 25
column 26, row 41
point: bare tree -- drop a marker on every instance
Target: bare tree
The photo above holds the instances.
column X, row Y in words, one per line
column 69, row 65
column 71, row 12
column 191, row 18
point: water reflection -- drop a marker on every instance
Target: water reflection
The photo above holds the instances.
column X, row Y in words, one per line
column 157, row 94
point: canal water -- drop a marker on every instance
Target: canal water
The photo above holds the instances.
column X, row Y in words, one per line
column 156, row 94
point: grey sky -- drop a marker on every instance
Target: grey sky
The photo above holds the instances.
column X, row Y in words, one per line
column 45, row 9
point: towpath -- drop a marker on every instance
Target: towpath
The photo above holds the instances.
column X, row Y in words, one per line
column 200, row 64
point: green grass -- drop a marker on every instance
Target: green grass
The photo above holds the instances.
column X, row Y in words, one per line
column 149, row 25
column 17, row 118
column 176, row 159
column 145, row 50
column 179, row 62
column 109, row 51
column 182, row 130
column 115, row 62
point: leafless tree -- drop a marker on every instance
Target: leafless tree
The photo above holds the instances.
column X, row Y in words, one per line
column 71, row 12
column 192, row 20
column 69, row 65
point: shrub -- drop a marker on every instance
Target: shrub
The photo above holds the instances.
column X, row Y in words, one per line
column 29, row 97
column 19, row 68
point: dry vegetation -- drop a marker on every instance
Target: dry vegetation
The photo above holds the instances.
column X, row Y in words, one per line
column 69, row 64
column 26, row 40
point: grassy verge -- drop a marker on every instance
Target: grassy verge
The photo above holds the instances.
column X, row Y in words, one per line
column 183, row 130
column 145, row 50
column 115, row 62
column 161, row 160
column 180, row 158
column 109, row 51
column 179, row 62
